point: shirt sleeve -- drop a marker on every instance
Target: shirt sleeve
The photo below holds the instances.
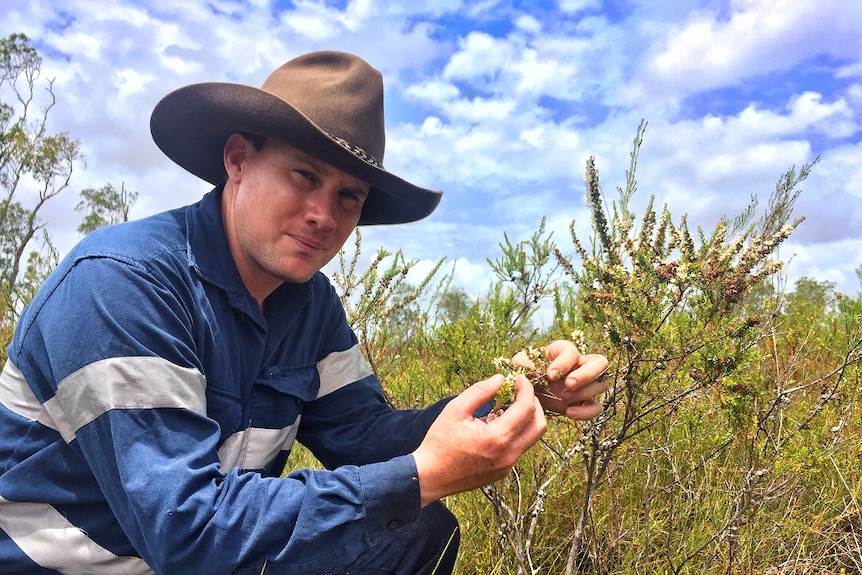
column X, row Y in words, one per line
column 355, row 425
column 111, row 353
column 351, row 422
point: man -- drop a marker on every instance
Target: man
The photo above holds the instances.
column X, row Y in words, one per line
column 157, row 381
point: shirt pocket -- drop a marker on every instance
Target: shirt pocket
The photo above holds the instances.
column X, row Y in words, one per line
column 276, row 404
column 280, row 395
column 270, row 420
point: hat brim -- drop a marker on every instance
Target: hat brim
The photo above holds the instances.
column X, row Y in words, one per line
column 191, row 125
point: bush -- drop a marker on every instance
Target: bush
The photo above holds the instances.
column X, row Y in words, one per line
column 730, row 437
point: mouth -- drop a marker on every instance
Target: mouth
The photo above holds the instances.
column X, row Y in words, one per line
column 308, row 244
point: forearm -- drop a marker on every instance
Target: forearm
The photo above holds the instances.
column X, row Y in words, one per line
column 185, row 517
column 355, row 426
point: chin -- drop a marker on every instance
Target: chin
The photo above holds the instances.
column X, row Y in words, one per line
column 298, row 277
column 293, row 270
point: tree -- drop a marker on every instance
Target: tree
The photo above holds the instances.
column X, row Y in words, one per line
column 104, row 206
column 453, row 304
column 35, row 167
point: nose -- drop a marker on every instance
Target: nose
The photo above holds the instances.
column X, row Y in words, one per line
column 320, row 210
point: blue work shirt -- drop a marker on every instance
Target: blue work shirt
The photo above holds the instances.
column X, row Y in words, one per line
column 148, row 407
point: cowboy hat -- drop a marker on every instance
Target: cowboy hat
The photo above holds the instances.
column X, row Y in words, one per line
column 328, row 104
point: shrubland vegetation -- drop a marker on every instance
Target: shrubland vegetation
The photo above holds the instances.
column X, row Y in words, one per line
column 731, row 436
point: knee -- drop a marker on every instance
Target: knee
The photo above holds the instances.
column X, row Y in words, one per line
column 442, row 526
column 440, row 520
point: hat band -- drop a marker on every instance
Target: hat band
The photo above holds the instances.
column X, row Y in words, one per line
column 356, row 151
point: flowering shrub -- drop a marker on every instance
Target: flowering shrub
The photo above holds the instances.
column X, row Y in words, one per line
column 731, row 436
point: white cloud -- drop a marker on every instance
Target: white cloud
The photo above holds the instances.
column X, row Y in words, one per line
column 433, row 92
column 480, row 9
column 528, row 24
column 575, row 6
column 317, row 21
column 841, row 167
column 484, row 131
column 853, row 70
column 710, row 169
column 540, row 75
column 126, row 14
column 532, row 62
column 759, row 36
column 832, row 261
column 474, row 278
column 488, row 111
column 480, row 58
column 432, row 8
column 130, row 82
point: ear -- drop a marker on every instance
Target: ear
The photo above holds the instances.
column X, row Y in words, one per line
column 235, row 152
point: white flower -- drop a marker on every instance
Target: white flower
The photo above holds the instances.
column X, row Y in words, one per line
column 579, row 339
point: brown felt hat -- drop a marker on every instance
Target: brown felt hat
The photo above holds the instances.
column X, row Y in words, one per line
column 328, row 104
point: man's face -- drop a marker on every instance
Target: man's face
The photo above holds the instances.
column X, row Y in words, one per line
column 286, row 213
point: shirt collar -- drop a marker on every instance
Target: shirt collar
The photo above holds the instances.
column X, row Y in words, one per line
column 208, row 250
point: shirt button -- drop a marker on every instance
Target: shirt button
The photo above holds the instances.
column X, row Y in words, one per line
column 393, row 525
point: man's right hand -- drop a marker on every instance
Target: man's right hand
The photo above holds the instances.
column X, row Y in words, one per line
column 461, row 452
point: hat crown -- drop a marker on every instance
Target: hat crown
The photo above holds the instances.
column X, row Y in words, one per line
column 340, row 93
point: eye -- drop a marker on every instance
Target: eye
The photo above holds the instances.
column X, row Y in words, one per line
column 350, row 196
column 308, row 175
column 357, row 196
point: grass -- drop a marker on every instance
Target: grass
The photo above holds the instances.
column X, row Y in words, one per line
column 665, row 504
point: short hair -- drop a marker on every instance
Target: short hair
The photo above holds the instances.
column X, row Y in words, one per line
column 256, row 140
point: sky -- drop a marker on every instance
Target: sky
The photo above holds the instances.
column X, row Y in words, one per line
column 499, row 104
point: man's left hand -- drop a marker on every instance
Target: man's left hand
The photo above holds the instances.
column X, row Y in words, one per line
column 574, row 378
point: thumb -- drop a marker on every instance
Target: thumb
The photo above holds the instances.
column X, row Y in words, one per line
column 478, row 395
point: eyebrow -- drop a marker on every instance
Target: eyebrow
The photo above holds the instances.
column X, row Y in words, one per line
column 362, row 190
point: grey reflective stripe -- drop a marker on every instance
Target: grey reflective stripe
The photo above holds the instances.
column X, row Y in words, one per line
column 57, row 418
column 130, row 383
column 18, row 398
column 255, row 447
column 16, row 395
column 341, row 368
column 50, row 541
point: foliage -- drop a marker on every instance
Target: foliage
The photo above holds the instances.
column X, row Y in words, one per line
column 35, row 167
column 672, row 306
column 463, row 349
column 731, row 405
column 731, row 437
column 104, row 206
column 379, row 302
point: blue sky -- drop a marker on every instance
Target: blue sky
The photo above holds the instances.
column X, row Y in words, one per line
column 500, row 104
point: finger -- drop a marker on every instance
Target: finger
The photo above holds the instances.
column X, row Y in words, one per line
column 522, row 359
column 584, row 392
column 523, row 422
column 564, row 358
column 524, row 398
column 587, row 409
column 477, row 395
column 590, row 369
